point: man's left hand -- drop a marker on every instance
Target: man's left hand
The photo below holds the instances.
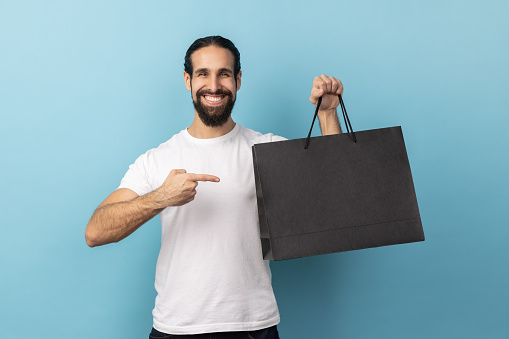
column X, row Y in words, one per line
column 328, row 88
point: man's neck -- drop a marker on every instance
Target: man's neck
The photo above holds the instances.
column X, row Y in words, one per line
column 201, row 131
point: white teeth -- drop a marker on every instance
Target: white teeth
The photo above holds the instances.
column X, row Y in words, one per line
column 213, row 98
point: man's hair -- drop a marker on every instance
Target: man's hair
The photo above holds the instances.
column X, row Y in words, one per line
column 214, row 40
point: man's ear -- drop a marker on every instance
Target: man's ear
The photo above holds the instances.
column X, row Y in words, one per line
column 239, row 75
column 187, row 80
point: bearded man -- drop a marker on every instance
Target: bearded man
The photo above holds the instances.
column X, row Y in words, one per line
column 211, row 279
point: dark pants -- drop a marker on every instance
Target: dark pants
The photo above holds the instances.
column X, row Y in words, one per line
column 267, row 333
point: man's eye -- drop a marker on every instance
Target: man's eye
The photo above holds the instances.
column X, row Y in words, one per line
column 202, row 74
column 225, row 74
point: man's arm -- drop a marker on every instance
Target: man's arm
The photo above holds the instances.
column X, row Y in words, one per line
column 328, row 88
column 123, row 211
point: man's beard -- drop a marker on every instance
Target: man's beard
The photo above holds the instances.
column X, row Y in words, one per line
column 214, row 116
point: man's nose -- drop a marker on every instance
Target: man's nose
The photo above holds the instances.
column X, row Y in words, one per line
column 214, row 83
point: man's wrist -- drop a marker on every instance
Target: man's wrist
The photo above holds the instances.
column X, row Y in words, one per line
column 329, row 121
column 331, row 111
column 156, row 199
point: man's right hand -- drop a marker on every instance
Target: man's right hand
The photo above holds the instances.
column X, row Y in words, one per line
column 123, row 211
column 179, row 188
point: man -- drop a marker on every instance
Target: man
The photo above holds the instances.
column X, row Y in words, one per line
column 211, row 279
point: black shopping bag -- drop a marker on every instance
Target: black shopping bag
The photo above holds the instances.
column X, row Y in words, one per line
column 335, row 193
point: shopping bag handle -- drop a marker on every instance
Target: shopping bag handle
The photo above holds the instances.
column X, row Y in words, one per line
column 345, row 117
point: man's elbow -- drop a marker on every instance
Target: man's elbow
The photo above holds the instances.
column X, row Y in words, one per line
column 89, row 240
column 91, row 237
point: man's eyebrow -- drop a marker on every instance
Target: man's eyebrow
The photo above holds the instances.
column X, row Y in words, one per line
column 222, row 70
column 200, row 70
column 207, row 70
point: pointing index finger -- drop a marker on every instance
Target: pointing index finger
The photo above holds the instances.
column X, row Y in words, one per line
column 203, row 177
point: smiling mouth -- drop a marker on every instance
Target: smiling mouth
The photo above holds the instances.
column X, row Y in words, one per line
column 214, row 98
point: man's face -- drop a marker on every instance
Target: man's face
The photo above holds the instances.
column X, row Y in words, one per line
column 212, row 85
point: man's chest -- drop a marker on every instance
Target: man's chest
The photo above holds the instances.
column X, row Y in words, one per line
column 232, row 164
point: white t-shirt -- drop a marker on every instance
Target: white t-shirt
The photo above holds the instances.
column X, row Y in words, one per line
column 210, row 274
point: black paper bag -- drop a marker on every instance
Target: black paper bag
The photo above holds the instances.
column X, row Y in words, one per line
column 335, row 193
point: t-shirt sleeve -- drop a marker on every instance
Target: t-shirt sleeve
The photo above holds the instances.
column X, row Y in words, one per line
column 277, row 138
column 269, row 137
column 137, row 177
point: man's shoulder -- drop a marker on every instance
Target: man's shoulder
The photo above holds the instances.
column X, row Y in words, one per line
column 258, row 137
column 165, row 146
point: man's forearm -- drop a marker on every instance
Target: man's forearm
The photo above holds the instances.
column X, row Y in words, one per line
column 120, row 215
column 329, row 122
column 114, row 222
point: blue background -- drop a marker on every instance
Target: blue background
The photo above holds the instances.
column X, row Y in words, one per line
column 88, row 86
